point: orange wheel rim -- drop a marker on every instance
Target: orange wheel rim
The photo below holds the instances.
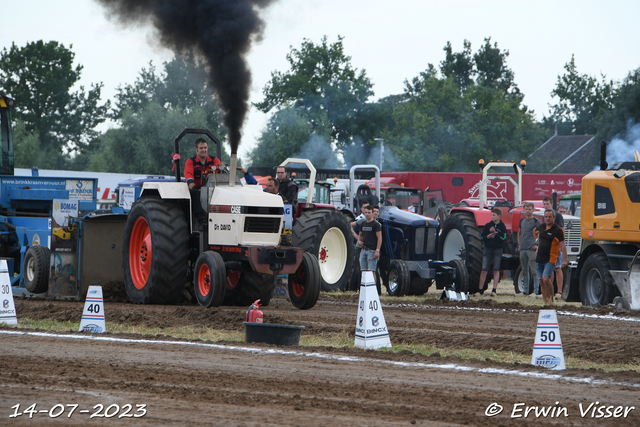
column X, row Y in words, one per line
column 204, row 280
column 298, row 282
column 140, row 253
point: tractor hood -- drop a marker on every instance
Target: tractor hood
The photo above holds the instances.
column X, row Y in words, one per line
column 250, row 195
column 393, row 215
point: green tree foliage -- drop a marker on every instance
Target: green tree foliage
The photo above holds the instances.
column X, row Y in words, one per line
column 151, row 113
column 626, row 108
column 375, row 119
column 473, row 111
column 288, row 133
column 321, row 85
column 492, row 71
column 581, row 98
column 26, row 150
column 39, row 76
column 458, row 65
column 143, row 144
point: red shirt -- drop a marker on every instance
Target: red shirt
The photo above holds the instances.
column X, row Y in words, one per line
column 193, row 169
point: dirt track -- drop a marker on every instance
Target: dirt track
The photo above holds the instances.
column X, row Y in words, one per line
column 230, row 383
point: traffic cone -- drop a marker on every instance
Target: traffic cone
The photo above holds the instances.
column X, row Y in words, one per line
column 93, row 314
column 7, row 307
column 547, row 348
column 371, row 328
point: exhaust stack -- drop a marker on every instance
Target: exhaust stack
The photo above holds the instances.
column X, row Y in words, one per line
column 232, row 169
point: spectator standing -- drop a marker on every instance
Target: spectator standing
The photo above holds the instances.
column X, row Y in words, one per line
column 550, row 245
column 559, row 220
column 288, row 189
column 527, row 247
column 370, row 240
column 494, row 234
column 360, row 219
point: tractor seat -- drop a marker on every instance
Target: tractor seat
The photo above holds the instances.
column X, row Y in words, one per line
column 364, row 194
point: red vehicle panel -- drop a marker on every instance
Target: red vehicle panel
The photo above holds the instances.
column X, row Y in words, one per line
column 457, row 186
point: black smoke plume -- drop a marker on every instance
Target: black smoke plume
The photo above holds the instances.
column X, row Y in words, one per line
column 218, row 31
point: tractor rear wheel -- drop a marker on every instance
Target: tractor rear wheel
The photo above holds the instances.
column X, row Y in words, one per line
column 35, row 271
column 304, row 284
column 209, row 279
column 326, row 234
column 460, row 239
column 155, row 252
column 596, row 283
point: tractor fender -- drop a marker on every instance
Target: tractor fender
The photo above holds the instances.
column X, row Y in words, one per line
column 482, row 216
column 167, row 190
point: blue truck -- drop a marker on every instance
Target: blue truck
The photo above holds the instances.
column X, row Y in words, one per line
column 48, row 256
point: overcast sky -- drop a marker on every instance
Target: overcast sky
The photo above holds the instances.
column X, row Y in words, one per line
column 392, row 41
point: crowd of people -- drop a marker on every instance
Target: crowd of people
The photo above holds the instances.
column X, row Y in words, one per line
column 542, row 250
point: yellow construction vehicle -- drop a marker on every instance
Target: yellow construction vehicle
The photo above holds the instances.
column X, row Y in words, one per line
column 608, row 268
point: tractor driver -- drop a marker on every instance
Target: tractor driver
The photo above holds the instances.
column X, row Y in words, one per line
column 194, row 169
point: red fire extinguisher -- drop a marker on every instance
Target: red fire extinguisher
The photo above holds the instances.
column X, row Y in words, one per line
column 254, row 314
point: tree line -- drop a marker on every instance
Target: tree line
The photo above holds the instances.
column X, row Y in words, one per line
column 449, row 116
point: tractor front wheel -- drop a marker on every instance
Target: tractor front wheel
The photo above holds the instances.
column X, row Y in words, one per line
column 209, row 279
column 304, row 284
column 399, row 278
column 461, row 282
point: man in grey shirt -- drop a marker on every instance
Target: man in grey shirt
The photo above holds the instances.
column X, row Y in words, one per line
column 527, row 246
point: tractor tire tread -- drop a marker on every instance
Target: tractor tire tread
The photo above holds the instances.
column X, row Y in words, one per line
column 170, row 252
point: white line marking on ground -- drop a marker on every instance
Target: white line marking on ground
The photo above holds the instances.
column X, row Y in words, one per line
column 512, row 310
column 449, row 366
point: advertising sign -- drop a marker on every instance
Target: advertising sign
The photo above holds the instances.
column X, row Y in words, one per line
column 64, row 238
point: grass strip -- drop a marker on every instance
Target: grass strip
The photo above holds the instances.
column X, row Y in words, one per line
column 324, row 339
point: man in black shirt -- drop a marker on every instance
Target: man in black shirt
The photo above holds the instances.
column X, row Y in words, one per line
column 494, row 234
column 370, row 240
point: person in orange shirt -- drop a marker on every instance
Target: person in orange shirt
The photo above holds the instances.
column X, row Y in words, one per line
column 549, row 244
